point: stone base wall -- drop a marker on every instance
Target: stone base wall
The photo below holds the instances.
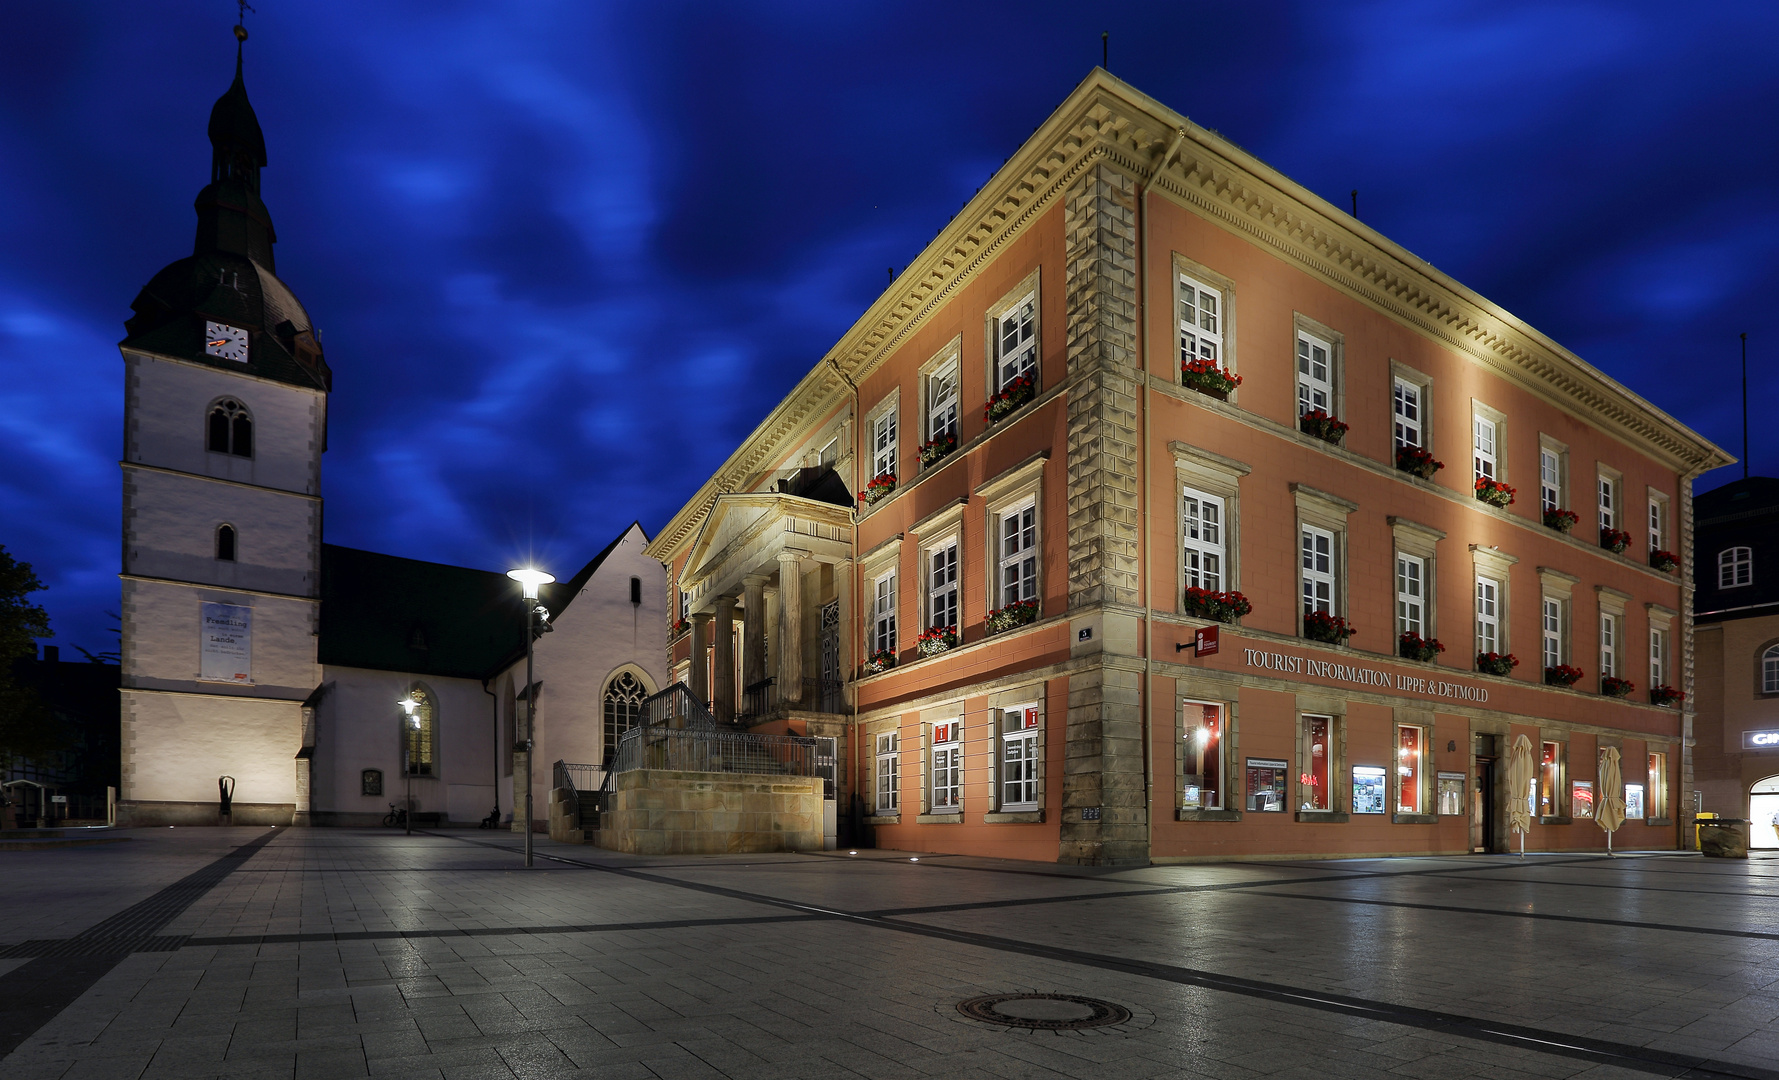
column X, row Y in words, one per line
column 142, row 813
column 658, row 812
column 564, row 826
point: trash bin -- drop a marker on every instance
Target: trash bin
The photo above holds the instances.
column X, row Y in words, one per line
column 1721, row 837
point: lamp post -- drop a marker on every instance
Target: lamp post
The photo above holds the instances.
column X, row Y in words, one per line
column 408, row 705
column 537, row 621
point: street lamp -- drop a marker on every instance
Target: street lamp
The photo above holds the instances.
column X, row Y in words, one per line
column 409, row 706
column 537, row 621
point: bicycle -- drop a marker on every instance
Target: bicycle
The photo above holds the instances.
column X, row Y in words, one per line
column 395, row 819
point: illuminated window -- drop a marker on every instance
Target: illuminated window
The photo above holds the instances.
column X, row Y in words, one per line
column 1316, row 752
column 1203, row 756
column 1019, row 758
column 419, row 733
column 1550, row 780
column 1658, row 786
column 1411, row 748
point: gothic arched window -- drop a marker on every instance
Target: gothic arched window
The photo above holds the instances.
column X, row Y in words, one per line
column 231, row 429
column 225, row 543
column 419, row 733
column 624, row 696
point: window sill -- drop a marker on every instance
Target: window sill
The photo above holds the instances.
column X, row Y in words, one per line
column 1556, row 819
column 956, row 818
column 1659, row 821
column 1183, row 814
column 1414, row 819
column 1335, row 817
column 883, row 819
column 1014, row 817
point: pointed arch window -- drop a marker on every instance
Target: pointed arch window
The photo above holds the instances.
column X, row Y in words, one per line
column 624, row 696
column 225, row 543
column 230, row 429
column 420, row 734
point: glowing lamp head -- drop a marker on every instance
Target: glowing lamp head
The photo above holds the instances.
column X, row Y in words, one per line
column 530, row 579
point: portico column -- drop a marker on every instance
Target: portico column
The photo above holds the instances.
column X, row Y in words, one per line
column 790, row 626
column 722, row 696
column 700, row 662
column 753, row 630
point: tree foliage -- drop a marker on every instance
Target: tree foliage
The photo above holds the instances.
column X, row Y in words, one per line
column 28, row 728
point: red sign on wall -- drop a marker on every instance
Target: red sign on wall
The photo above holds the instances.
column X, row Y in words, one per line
column 1205, row 640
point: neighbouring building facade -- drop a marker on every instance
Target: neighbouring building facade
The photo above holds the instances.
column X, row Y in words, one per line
column 328, row 684
column 1160, row 511
column 1736, row 592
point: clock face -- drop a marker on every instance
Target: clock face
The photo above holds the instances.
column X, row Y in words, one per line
column 228, row 342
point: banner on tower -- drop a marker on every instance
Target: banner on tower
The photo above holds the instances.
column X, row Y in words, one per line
column 227, row 643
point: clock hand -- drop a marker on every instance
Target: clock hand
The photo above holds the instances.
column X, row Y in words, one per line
column 221, row 341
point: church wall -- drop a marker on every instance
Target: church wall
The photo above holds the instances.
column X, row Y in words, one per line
column 171, row 533
column 175, row 746
column 168, row 405
column 162, row 632
column 358, row 727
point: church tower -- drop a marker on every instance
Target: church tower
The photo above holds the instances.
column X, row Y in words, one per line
column 225, row 422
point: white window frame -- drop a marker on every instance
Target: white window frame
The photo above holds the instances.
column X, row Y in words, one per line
column 883, row 613
column 1203, row 540
column 1318, row 566
column 1315, row 373
column 1550, row 630
column 1016, row 341
column 1606, row 501
column 1658, row 657
column 1485, row 448
column 1550, row 478
column 1016, row 567
column 1019, row 785
column 1609, row 635
column 1192, row 722
column 889, row 773
column 1769, row 670
column 1411, row 595
column 939, row 572
column 1735, row 567
column 946, row 774
column 1201, row 326
column 940, row 398
column 1488, row 614
column 883, row 444
column 1408, row 412
column 1658, row 522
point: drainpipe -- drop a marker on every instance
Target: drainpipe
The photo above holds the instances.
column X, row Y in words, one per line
column 1146, row 578
column 852, row 731
column 494, row 709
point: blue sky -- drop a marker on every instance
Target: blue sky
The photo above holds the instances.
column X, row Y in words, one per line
column 565, row 255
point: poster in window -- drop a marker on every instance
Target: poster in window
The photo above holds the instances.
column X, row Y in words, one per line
column 1451, row 794
column 1581, row 798
column 1368, row 789
column 226, row 645
column 1266, row 784
column 1634, row 802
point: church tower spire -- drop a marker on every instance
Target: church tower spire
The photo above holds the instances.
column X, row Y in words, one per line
column 231, row 216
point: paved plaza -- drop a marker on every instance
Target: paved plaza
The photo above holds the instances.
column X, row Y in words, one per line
column 340, row 953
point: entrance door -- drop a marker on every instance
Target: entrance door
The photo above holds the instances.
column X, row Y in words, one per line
column 827, row 764
column 1482, row 805
column 1763, row 814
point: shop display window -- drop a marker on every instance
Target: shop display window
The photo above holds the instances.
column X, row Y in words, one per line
column 1368, row 789
column 1318, row 750
column 1634, row 802
column 1410, row 743
column 1581, row 798
column 1203, row 754
column 1658, row 786
column 1550, row 780
column 1451, row 794
column 1266, row 784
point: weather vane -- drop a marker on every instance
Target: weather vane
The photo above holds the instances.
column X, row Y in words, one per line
column 241, row 19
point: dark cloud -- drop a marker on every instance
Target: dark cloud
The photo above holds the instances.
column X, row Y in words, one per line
column 564, row 256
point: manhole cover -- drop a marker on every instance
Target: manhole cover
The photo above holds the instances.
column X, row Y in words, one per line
column 1045, row 1012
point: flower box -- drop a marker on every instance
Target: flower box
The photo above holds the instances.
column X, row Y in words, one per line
column 1665, row 696
column 1615, row 540
column 1322, row 426
column 1495, row 663
column 1412, row 646
column 881, row 660
column 1561, row 520
column 1321, row 626
column 931, row 453
column 1208, row 378
column 1413, row 459
column 1017, row 393
column 678, row 628
column 937, row 640
column 1562, row 675
column 1665, row 561
column 1210, row 604
column 1612, row 686
column 878, row 489
column 1494, row 492
column 1018, row 613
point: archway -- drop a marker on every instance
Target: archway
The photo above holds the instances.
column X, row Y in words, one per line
column 1763, row 814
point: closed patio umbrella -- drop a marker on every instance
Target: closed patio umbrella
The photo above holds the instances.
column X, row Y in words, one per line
column 1610, row 814
column 1519, row 789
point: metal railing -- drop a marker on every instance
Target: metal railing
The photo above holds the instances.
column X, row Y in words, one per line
column 762, row 699
column 675, row 707
column 701, row 750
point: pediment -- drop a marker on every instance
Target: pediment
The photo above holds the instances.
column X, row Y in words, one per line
column 746, row 522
